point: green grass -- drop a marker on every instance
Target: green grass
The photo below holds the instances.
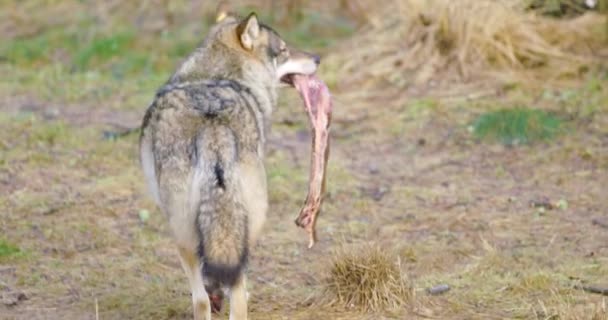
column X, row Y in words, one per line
column 586, row 102
column 103, row 49
column 89, row 48
column 7, row 249
column 517, row 126
column 117, row 64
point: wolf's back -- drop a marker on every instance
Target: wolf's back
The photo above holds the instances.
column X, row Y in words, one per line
column 205, row 128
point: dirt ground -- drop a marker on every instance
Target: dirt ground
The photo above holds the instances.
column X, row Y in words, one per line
column 515, row 231
column 456, row 211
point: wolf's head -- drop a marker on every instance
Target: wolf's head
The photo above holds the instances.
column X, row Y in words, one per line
column 246, row 48
column 259, row 42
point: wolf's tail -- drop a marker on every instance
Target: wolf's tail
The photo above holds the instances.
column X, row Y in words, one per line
column 221, row 218
column 223, row 247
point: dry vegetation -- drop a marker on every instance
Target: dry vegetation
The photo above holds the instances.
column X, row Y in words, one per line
column 416, row 199
column 368, row 278
column 408, row 43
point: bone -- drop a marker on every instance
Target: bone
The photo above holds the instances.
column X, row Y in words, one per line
column 317, row 102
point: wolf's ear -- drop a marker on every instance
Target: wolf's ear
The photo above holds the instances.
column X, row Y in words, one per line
column 248, row 30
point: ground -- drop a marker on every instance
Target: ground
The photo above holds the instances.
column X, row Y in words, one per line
column 513, row 230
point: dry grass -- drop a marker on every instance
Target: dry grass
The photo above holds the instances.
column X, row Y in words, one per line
column 414, row 41
column 598, row 311
column 368, row 278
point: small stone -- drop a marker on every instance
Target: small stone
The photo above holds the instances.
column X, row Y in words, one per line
column 438, row 289
column 373, row 169
column 12, row 298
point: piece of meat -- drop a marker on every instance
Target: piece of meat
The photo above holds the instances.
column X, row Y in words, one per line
column 317, row 102
column 216, row 302
column 216, row 296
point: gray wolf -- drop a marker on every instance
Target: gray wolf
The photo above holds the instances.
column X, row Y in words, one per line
column 202, row 149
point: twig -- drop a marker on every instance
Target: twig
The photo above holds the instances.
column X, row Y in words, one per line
column 113, row 135
column 96, row 310
column 593, row 289
column 6, row 268
column 600, row 222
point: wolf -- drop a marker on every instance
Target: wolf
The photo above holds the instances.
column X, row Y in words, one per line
column 202, row 148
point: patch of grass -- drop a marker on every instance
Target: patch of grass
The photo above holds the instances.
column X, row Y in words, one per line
column 586, row 102
column 369, row 278
column 57, row 84
column 560, row 8
column 421, row 107
column 83, row 65
column 79, row 50
column 31, row 131
column 7, row 249
column 48, row 134
column 518, row 284
column 517, row 126
column 162, row 301
column 39, row 49
column 103, row 49
column 413, row 113
column 111, row 62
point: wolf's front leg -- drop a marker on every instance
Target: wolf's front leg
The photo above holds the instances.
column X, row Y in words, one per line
column 200, row 300
column 238, row 299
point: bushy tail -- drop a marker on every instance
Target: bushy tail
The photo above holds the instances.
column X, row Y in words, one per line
column 223, row 247
column 220, row 216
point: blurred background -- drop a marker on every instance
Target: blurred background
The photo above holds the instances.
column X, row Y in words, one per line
column 469, row 152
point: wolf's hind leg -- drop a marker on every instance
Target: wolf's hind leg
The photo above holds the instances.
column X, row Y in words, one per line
column 238, row 299
column 200, row 300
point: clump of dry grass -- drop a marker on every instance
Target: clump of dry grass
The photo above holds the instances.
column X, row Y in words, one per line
column 414, row 41
column 367, row 278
